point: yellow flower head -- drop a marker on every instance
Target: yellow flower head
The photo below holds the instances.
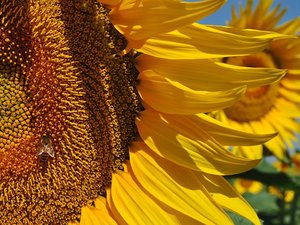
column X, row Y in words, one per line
column 101, row 103
column 287, row 195
column 273, row 107
column 244, row 185
column 296, row 163
column 292, row 168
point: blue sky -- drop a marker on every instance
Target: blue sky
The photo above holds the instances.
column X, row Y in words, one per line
column 224, row 14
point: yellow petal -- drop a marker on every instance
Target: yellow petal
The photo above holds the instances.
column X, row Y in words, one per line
column 275, row 145
column 249, row 152
column 250, row 33
column 285, row 125
column 227, row 135
column 197, row 41
column 247, row 9
column 254, row 76
column 144, row 18
column 290, row 95
column 188, row 145
column 268, row 19
column 290, row 27
column 102, row 211
column 291, row 109
column 95, row 216
column 175, row 186
column 223, row 193
column 133, row 205
column 273, row 17
column 262, row 10
column 73, row 223
column 290, row 84
column 167, row 96
column 118, row 217
column 110, row 2
column 286, row 50
column 281, row 122
column 204, row 74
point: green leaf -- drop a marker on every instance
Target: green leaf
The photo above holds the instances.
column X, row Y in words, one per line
column 266, row 167
column 263, row 202
column 239, row 220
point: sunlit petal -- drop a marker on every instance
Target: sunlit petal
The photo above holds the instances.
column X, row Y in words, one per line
column 188, row 145
column 181, row 191
column 208, row 75
column 142, row 19
column 272, row 107
column 168, row 96
column 226, row 135
column 134, row 205
column 197, row 41
column 224, row 194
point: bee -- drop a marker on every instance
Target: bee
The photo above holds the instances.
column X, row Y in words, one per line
column 45, row 152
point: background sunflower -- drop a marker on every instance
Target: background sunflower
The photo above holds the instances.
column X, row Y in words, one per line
column 274, row 107
column 273, row 187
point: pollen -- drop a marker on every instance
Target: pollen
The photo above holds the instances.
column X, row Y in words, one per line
column 62, row 76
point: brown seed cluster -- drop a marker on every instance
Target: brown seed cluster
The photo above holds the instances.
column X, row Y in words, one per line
column 62, row 76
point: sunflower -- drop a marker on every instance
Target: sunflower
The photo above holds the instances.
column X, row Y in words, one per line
column 102, row 112
column 273, row 107
column 244, row 185
column 292, row 168
column 286, row 195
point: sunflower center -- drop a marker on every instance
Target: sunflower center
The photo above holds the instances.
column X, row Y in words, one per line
column 67, row 104
column 246, row 183
column 257, row 101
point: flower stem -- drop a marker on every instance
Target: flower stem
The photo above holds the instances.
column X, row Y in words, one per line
column 294, row 209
